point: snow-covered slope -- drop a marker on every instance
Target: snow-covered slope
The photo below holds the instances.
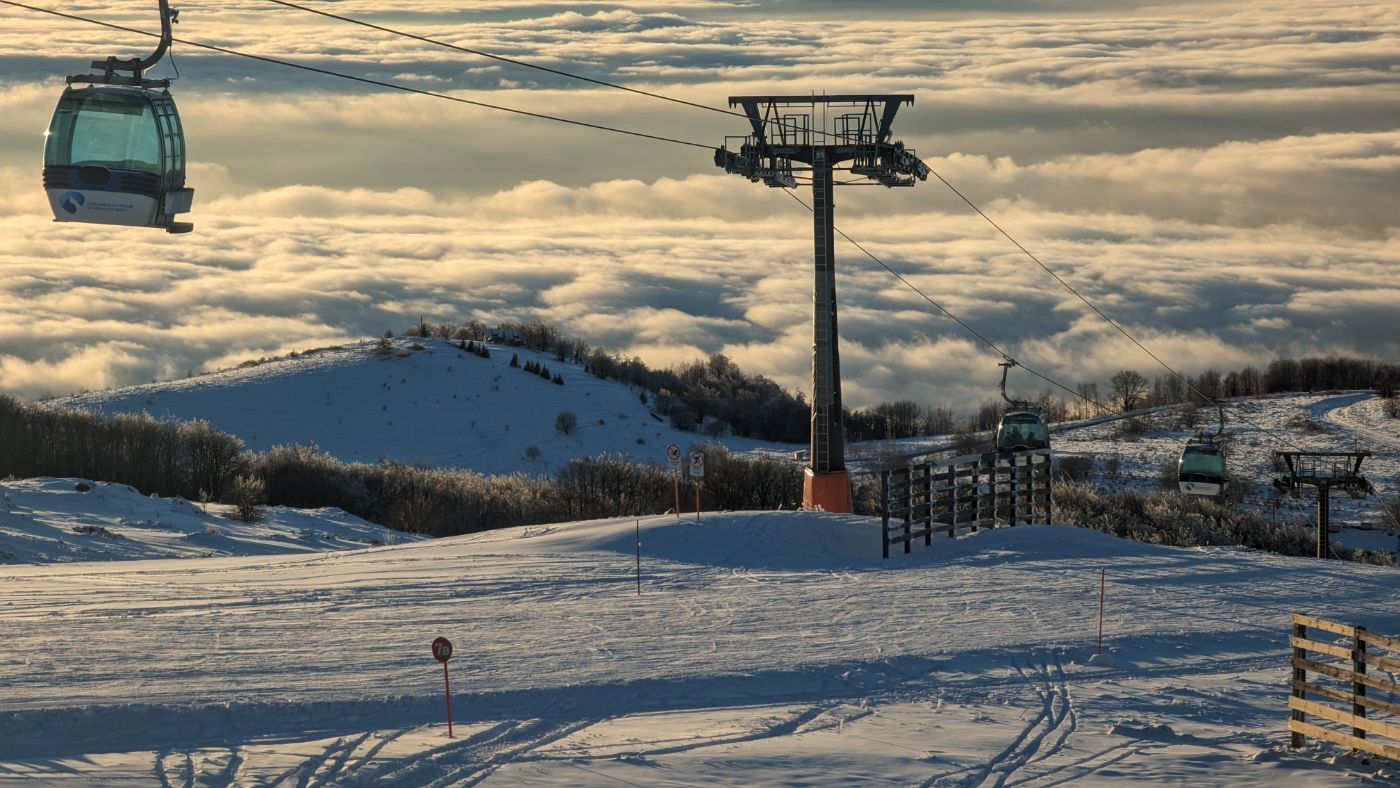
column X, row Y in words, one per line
column 58, row 520
column 764, row 649
column 1258, row 427
column 437, row 406
column 1302, row 422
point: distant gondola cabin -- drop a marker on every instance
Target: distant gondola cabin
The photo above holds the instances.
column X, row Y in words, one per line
column 1019, row 430
column 1201, row 469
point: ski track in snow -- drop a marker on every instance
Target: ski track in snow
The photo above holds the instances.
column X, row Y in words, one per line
column 766, row 648
column 1359, row 416
column 960, row 665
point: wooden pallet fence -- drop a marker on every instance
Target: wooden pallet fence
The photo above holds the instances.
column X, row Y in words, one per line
column 969, row 492
column 1332, row 687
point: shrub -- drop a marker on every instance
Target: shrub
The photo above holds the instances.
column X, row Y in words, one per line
column 865, row 496
column 249, row 494
column 607, row 486
column 566, row 422
column 1167, row 474
column 1131, row 428
column 1302, row 422
column 95, row 530
column 1390, row 511
column 964, row 442
column 1074, row 468
column 1113, row 466
column 734, row 482
column 214, row 458
column 1188, row 417
column 1187, row 521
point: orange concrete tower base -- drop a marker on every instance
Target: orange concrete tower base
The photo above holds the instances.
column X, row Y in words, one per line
column 831, row 490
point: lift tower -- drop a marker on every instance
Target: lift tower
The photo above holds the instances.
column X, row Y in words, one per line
column 1323, row 470
column 852, row 134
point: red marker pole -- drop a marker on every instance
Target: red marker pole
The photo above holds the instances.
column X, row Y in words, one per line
column 447, row 693
column 442, row 651
column 1102, row 572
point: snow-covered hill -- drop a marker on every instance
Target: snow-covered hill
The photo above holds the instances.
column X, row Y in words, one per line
column 60, row 520
column 1259, row 427
column 764, row 649
column 1347, row 421
column 437, row 405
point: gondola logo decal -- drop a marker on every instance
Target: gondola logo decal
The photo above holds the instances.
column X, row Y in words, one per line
column 72, row 201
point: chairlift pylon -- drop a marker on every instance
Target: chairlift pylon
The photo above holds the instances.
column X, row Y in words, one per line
column 114, row 152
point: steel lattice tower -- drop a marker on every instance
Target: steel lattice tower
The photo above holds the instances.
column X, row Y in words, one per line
column 781, row 145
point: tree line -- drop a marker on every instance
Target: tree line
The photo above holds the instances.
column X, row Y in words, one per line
column 195, row 460
column 1130, row 390
column 755, row 406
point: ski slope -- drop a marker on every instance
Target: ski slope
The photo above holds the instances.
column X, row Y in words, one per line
column 1259, row 427
column 426, row 402
column 764, row 649
column 49, row 520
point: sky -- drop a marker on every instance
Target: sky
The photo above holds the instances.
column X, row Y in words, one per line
column 1221, row 178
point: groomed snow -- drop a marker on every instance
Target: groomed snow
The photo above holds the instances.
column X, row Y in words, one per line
column 48, row 520
column 765, row 648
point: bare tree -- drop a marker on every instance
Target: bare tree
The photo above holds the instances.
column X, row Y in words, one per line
column 1088, row 392
column 1128, row 388
column 566, row 422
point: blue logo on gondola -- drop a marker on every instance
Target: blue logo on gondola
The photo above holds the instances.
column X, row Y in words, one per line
column 71, row 201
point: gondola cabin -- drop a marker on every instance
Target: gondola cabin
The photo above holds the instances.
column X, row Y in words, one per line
column 1019, row 430
column 1201, row 468
column 116, row 155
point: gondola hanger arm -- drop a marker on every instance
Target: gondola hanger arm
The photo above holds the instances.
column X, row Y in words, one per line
column 138, row 66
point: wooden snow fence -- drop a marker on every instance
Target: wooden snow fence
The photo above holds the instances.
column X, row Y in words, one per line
column 969, row 492
column 1332, row 684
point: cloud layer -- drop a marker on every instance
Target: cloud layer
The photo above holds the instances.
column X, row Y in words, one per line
column 1221, row 180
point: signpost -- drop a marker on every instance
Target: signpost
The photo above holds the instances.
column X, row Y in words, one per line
column 673, row 456
column 697, row 470
column 442, row 651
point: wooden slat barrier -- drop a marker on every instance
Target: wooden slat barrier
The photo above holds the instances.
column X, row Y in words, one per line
column 975, row 491
column 1356, row 652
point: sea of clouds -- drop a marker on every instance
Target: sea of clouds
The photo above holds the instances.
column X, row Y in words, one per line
column 1220, row 178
